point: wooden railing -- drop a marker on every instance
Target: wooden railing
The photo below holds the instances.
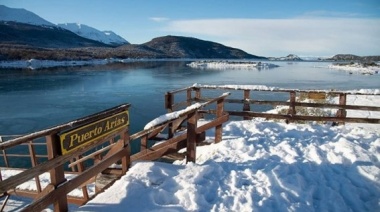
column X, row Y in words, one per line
column 181, row 126
column 116, row 142
column 248, row 98
column 104, row 151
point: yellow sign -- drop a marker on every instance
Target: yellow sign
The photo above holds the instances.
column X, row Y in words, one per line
column 76, row 138
column 314, row 95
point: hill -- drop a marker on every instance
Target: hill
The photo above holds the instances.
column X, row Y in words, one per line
column 21, row 16
column 351, row 57
column 187, row 47
column 42, row 36
column 22, row 42
column 290, row 57
column 24, row 16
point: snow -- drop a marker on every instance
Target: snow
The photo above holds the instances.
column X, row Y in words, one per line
column 356, row 68
column 107, row 37
column 227, row 64
column 261, row 166
column 38, row 64
column 45, row 180
column 171, row 116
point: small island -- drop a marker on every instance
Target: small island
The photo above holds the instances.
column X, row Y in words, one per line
column 229, row 64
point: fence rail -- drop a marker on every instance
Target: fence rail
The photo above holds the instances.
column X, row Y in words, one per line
column 181, row 126
column 293, row 104
column 113, row 148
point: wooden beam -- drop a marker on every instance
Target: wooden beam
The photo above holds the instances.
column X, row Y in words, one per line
column 28, row 174
column 191, row 137
column 69, row 185
column 57, row 174
column 155, row 152
column 219, row 113
column 66, row 126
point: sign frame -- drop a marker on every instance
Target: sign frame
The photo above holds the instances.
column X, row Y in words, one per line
column 81, row 136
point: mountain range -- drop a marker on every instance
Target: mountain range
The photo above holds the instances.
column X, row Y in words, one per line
column 25, row 35
column 24, row 16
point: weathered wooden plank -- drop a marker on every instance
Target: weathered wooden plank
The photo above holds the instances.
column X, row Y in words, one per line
column 28, row 174
column 157, row 151
column 213, row 123
column 219, row 113
column 57, row 173
column 191, row 137
column 246, row 105
column 92, row 155
column 68, row 186
column 281, row 90
column 33, row 159
column 66, row 126
column 25, row 156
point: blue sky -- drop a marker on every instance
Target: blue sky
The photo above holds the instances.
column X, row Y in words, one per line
column 267, row 28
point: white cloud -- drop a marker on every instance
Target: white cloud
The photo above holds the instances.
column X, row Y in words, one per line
column 159, row 19
column 276, row 37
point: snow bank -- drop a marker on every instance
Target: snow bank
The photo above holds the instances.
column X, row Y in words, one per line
column 38, row 64
column 356, row 68
column 239, row 87
column 259, row 166
column 225, row 64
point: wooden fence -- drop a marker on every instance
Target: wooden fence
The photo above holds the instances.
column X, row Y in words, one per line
column 100, row 143
column 247, row 99
column 103, row 151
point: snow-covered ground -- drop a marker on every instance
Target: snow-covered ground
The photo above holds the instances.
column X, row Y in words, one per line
column 261, row 166
column 226, row 64
column 38, row 64
column 357, row 68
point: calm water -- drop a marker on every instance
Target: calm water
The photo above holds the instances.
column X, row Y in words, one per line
column 31, row 100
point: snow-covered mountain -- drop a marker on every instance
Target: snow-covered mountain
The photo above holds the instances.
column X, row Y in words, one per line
column 22, row 16
column 27, row 17
column 107, row 37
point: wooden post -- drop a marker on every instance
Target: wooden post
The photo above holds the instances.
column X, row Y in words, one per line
column 33, row 159
column 197, row 94
column 219, row 113
column 81, row 168
column 169, row 100
column 198, row 99
column 292, row 107
column 246, row 105
column 5, row 158
column 342, row 113
column 126, row 159
column 143, row 143
column 188, row 96
column 57, row 174
column 191, row 137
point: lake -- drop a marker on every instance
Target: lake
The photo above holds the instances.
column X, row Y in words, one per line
column 32, row 100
